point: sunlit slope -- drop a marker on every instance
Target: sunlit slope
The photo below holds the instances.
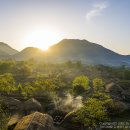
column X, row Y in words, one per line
column 6, row 51
column 87, row 52
column 29, row 53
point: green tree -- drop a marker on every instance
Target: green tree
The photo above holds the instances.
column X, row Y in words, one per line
column 69, row 64
column 106, row 100
column 78, row 64
column 19, row 88
column 6, row 66
column 50, row 84
column 80, row 84
column 127, row 74
column 22, row 71
column 98, row 84
column 4, row 116
column 28, row 90
column 92, row 113
column 7, row 83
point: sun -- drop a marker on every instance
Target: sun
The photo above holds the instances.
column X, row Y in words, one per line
column 42, row 38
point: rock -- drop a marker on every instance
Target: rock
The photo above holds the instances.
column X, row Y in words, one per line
column 118, row 107
column 127, row 104
column 35, row 121
column 32, row 105
column 58, row 116
column 12, row 104
column 69, row 122
column 14, row 119
column 114, row 89
column 126, row 95
column 59, row 128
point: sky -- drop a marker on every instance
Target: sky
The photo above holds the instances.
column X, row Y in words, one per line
column 41, row 23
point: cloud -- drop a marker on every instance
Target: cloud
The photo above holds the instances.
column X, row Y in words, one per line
column 96, row 10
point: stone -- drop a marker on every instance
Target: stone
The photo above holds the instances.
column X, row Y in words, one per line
column 12, row 104
column 32, row 105
column 14, row 119
column 69, row 122
column 35, row 121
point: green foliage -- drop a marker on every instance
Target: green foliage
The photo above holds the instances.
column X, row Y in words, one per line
column 92, row 113
column 22, row 71
column 7, row 83
column 79, row 64
column 127, row 74
column 80, row 84
column 125, row 84
column 81, row 81
column 50, row 83
column 104, row 98
column 27, row 91
column 32, row 79
column 98, row 84
column 71, row 64
column 53, row 84
column 122, row 73
column 6, row 66
column 4, row 116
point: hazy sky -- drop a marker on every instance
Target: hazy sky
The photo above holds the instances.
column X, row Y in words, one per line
column 25, row 22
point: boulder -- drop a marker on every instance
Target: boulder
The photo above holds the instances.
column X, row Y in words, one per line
column 114, row 89
column 12, row 104
column 118, row 107
column 35, row 121
column 58, row 116
column 32, row 105
column 126, row 95
column 69, row 122
column 14, row 119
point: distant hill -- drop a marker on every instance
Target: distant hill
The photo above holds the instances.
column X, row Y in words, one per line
column 87, row 52
column 68, row 49
column 28, row 53
column 6, row 51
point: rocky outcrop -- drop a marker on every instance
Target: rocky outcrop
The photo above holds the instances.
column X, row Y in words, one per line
column 20, row 109
column 118, row 107
column 14, row 119
column 58, row 116
column 69, row 122
column 35, row 121
column 12, row 104
column 114, row 90
column 32, row 105
column 126, row 95
column 25, row 108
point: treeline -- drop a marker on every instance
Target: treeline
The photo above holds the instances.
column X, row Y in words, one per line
column 57, row 76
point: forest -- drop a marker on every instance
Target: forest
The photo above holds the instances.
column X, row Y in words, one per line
column 89, row 94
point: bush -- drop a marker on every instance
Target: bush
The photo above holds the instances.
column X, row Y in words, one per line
column 92, row 113
column 80, row 84
column 98, row 84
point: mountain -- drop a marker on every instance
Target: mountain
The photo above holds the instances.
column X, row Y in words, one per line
column 6, row 51
column 28, row 53
column 85, row 51
column 68, row 49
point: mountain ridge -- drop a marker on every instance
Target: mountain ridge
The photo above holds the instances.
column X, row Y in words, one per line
column 28, row 53
column 6, row 51
column 74, row 50
column 87, row 51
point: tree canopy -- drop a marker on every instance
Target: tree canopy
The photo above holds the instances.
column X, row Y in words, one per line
column 80, row 84
column 92, row 113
